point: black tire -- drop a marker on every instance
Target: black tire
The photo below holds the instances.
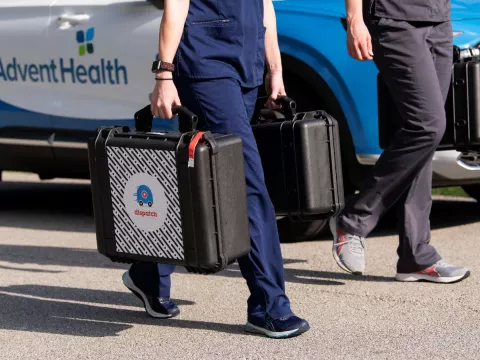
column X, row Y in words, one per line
column 290, row 231
column 140, row 203
column 149, row 204
column 473, row 191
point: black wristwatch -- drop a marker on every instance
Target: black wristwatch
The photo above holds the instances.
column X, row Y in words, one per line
column 159, row 65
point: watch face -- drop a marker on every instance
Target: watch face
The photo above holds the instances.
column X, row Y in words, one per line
column 155, row 66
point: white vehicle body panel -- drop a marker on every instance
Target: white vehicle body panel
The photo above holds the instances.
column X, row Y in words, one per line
column 24, row 27
column 107, row 83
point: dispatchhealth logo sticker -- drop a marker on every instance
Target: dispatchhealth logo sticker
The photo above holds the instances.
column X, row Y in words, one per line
column 67, row 70
column 145, row 202
column 148, row 176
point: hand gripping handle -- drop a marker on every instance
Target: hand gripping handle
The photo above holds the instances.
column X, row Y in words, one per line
column 187, row 120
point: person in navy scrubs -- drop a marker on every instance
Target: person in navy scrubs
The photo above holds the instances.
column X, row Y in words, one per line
column 212, row 57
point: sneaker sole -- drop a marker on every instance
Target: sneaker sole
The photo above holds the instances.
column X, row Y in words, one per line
column 439, row 280
column 250, row 328
column 128, row 282
column 333, row 229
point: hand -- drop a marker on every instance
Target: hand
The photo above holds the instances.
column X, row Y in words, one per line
column 274, row 87
column 359, row 42
column 163, row 98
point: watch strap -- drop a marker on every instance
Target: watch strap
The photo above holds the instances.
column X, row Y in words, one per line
column 162, row 66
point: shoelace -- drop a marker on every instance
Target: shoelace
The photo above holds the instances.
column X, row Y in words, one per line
column 357, row 244
column 443, row 263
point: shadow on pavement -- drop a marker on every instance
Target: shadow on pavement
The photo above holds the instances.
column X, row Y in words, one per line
column 22, row 313
column 312, row 277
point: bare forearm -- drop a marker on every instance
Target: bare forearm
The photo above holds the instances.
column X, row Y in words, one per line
column 171, row 28
column 354, row 10
column 272, row 50
column 359, row 41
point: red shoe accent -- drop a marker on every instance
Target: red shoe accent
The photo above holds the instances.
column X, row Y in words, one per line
column 431, row 271
column 341, row 236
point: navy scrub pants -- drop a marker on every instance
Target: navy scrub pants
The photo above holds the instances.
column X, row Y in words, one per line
column 223, row 106
column 415, row 60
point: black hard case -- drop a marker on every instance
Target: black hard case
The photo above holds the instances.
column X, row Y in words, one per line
column 302, row 165
column 462, row 110
column 211, row 196
column 465, row 100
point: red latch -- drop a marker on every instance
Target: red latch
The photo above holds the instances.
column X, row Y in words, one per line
column 191, row 148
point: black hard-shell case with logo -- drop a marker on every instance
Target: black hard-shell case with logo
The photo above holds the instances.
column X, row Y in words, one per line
column 207, row 223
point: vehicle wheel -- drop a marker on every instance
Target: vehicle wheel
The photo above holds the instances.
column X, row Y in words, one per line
column 473, row 191
column 140, row 203
column 290, row 231
column 150, row 204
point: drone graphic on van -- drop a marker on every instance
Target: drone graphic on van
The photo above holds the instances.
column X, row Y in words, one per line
column 144, row 195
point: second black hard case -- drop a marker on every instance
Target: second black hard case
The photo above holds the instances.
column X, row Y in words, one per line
column 465, row 104
column 302, row 164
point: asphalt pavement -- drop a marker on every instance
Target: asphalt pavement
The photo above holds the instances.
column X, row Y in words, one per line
column 61, row 299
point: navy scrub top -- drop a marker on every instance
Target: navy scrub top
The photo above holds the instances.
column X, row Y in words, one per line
column 223, row 39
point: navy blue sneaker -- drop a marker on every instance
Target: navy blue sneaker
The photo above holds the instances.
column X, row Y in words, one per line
column 285, row 327
column 160, row 308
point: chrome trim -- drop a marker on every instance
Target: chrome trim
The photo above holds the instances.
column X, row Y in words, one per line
column 22, row 142
column 469, row 53
column 70, row 145
column 44, row 143
column 461, row 160
column 451, row 165
column 367, row 159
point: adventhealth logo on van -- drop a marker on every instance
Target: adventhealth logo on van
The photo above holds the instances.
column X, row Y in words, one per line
column 84, row 39
column 61, row 70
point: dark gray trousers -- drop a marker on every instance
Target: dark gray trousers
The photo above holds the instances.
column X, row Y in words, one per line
column 415, row 60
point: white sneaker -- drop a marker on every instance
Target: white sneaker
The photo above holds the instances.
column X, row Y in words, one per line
column 440, row 272
column 348, row 250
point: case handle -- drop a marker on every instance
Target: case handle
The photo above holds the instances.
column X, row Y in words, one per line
column 289, row 106
column 187, row 120
column 287, row 111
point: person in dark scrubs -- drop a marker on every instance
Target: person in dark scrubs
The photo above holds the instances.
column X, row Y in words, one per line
column 410, row 42
column 212, row 60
